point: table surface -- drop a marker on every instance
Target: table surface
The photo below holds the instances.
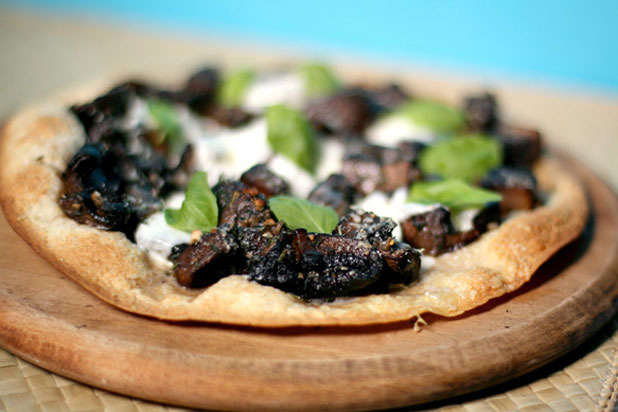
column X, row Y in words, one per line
column 42, row 55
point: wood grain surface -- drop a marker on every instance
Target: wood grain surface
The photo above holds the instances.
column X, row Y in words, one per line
column 49, row 320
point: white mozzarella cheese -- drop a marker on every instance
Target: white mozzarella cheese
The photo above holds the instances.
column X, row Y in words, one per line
column 232, row 151
column 390, row 130
column 464, row 220
column 332, row 151
column 281, row 88
column 158, row 238
column 301, row 182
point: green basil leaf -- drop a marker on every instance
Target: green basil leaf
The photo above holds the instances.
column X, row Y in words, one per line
column 467, row 158
column 199, row 209
column 232, row 90
column 319, row 80
column 456, row 194
column 435, row 116
column 302, row 214
column 168, row 124
column 290, row 134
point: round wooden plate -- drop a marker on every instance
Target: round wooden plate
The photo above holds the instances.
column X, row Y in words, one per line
column 49, row 320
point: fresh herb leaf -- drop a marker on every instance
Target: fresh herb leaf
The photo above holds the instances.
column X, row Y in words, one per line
column 319, row 80
column 168, row 124
column 456, row 194
column 232, row 90
column 467, row 158
column 435, row 116
column 290, row 134
column 199, row 209
column 302, row 214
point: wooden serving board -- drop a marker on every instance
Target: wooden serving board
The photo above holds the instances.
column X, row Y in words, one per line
column 49, row 320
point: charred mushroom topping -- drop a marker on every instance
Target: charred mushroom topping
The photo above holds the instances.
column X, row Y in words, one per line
column 200, row 89
column 245, row 210
column 522, row 147
column 93, row 192
column 410, row 150
column 379, row 168
column 229, row 116
column 346, row 113
column 318, row 266
column 336, row 192
column 482, row 112
column 389, row 97
column 211, row 258
column 401, row 262
column 434, row 233
column 265, row 181
column 516, row 185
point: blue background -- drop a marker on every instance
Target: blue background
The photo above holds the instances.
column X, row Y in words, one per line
column 572, row 43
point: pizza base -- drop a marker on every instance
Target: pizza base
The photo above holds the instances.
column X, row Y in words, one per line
column 38, row 143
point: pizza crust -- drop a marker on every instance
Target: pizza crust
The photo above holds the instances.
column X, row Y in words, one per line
column 37, row 144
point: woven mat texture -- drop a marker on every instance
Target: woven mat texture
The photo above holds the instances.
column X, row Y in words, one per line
column 585, row 379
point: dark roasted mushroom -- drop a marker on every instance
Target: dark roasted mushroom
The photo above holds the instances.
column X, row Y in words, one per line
column 365, row 226
column 104, row 110
column 336, row 192
column 245, row 210
column 346, row 113
column 316, row 266
column 228, row 116
column 211, row 258
column 522, row 147
column 199, row 92
column 379, row 168
column 389, row 96
column 93, row 191
column 434, row 233
column 516, row 185
column 265, row 181
column 482, row 112
column 401, row 262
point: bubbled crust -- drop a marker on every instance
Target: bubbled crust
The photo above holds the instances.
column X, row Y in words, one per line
column 37, row 144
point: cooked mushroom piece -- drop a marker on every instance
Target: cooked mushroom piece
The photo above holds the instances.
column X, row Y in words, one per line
column 373, row 167
column 199, row 92
column 409, row 150
column 245, row 210
column 516, row 185
column 482, row 112
column 228, row 116
column 522, row 147
column 318, row 266
column 346, row 113
column 93, row 191
column 265, row 181
column 336, row 192
column 389, row 97
column 434, row 233
column 206, row 261
column 366, row 226
column 401, row 263
column 104, row 109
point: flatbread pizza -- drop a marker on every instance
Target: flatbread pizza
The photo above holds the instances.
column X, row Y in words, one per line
column 231, row 200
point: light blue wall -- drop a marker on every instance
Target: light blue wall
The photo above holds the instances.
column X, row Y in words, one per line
column 563, row 42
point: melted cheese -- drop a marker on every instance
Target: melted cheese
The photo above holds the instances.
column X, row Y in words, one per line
column 390, row 130
column 281, row 88
column 158, row 238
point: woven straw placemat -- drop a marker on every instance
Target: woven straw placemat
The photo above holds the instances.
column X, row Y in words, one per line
column 585, row 379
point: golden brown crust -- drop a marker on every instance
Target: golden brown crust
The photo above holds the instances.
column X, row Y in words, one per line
column 37, row 144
